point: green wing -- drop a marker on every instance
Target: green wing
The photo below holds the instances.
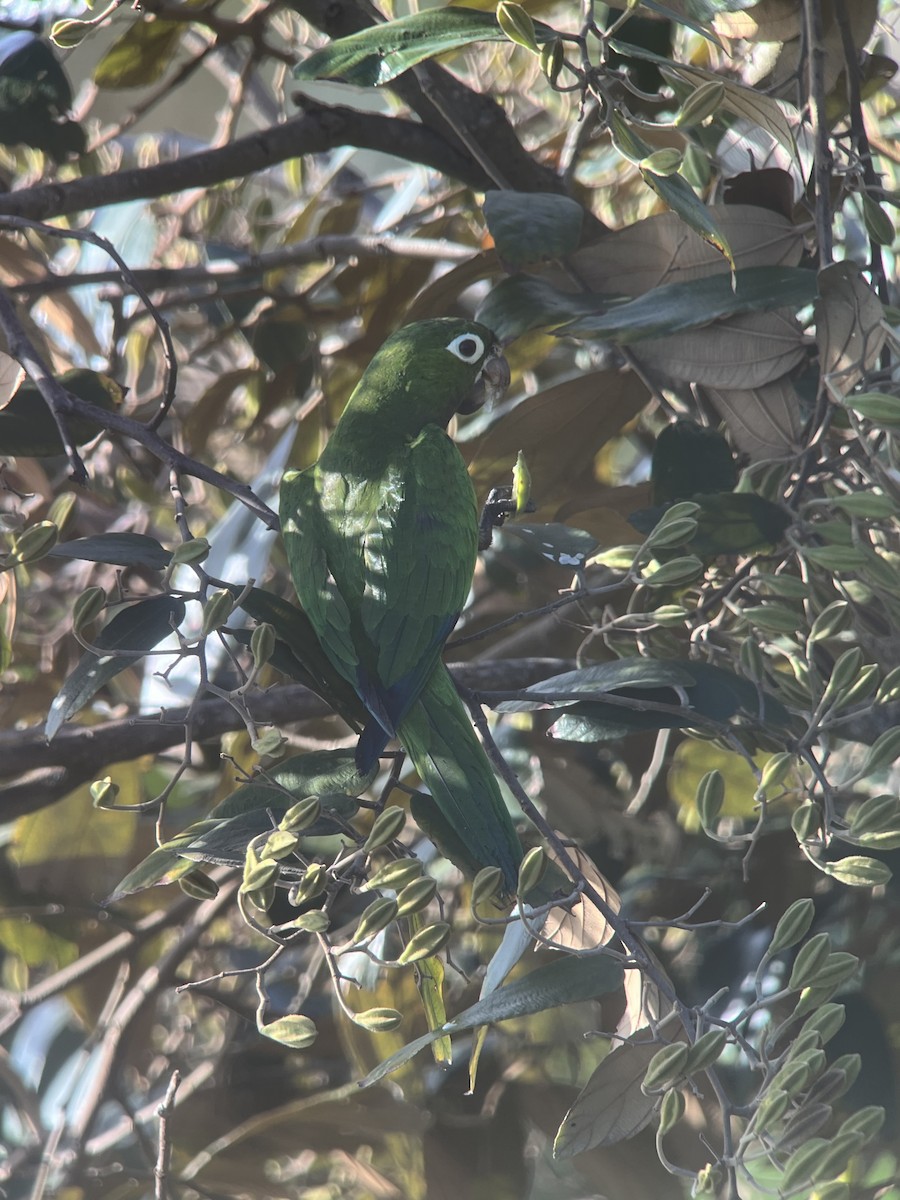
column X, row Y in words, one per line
column 306, row 538
column 382, row 566
column 420, row 556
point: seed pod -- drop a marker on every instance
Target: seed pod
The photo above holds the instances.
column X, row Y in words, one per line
column 776, row 770
column 837, row 969
column 262, row 644
column 867, row 1121
column 279, row 844
column 198, row 885
column 793, row 925
column 667, row 1064
column 801, row 1165
column 376, row 917
column 878, row 223
column 858, row 871
column 705, row 1051
column 531, row 870
column 806, row 821
column 843, row 673
column 301, row 815
column 379, row 1020
column 771, row 1109
column 195, row 550
column 34, row 542
column 425, row 943
column 88, row 607
column 314, row 921
column 395, row 874
column 258, row 874
column 486, row 886
column 883, row 751
column 386, row 826
column 103, row 792
column 416, row 896
column 517, row 25
column 702, row 103
column 826, row 1021
column 662, row 162
column 313, row 883
column 810, row 958
column 216, row 611
column 678, row 571
column 672, row 533
column 710, row 798
column 552, row 59
column 671, row 1110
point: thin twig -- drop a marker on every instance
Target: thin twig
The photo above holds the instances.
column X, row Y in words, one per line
column 815, row 49
column 164, row 1154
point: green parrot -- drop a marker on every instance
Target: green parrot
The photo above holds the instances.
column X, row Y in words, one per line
column 381, row 537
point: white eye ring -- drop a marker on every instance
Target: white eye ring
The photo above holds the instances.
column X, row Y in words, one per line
column 468, row 347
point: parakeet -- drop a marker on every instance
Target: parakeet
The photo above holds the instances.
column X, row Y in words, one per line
column 381, row 535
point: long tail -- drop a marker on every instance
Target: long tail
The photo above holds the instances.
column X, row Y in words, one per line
column 466, row 815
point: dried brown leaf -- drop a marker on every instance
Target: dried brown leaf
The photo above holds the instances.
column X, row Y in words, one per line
column 662, row 249
column 559, row 430
column 11, row 376
column 644, row 1005
column 849, row 329
column 764, row 422
column 745, row 351
column 582, row 926
column 861, row 17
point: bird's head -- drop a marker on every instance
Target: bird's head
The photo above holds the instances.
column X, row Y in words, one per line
column 427, row 371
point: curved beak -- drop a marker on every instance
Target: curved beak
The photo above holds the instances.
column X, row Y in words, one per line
column 490, row 384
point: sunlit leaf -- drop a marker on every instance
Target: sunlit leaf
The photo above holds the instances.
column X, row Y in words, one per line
column 565, row 981
column 377, row 55
column 141, row 55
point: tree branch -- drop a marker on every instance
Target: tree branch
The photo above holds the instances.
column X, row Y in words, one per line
column 463, row 118
column 251, row 266
column 45, row 772
column 320, row 128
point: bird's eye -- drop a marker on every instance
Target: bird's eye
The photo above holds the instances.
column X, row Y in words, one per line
column 468, row 346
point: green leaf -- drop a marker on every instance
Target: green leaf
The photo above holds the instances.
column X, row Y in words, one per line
column 137, row 628
column 530, row 227
column 522, row 303
column 591, row 682
column 376, row 56
column 141, row 55
column 564, row 981
column 557, row 543
column 28, row 428
column 695, row 687
column 35, row 97
column 673, row 189
column 121, row 549
column 678, row 306
column 298, row 653
column 330, row 774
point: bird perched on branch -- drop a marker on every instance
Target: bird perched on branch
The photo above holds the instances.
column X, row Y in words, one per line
column 381, row 536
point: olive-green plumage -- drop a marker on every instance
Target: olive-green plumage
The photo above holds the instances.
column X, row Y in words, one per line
column 381, row 536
